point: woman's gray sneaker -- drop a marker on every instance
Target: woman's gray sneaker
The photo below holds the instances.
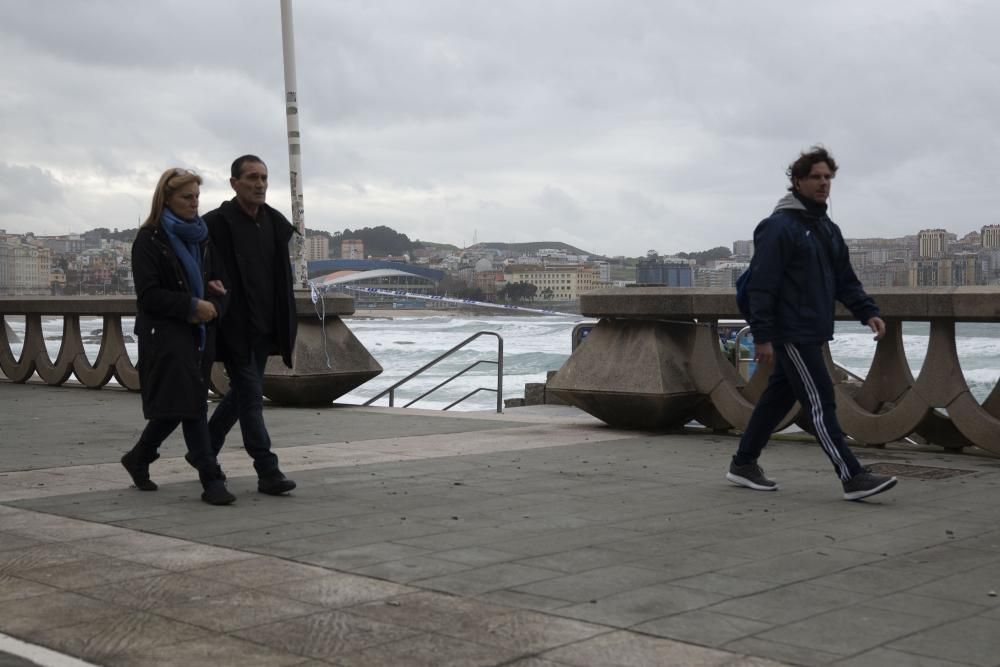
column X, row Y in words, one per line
column 866, row 484
column 750, row 476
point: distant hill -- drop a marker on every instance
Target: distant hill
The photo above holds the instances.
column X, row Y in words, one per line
column 535, row 246
column 436, row 246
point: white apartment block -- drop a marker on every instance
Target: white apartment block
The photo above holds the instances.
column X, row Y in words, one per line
column 723, row 274
column 317, row 247
column 563, row 283
column 933, row 242
column 25, row 269
column 990, row 236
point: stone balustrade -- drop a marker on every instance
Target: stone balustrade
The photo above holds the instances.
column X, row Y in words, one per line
column 328, row 360
column 654, row 361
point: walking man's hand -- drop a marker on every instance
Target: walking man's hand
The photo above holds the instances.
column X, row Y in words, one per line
column 877, row 326
column 763, row 353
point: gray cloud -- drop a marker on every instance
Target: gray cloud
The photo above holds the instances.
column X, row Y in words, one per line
column 622, row 126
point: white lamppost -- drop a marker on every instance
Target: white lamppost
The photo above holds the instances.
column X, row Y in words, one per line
column 294, row 145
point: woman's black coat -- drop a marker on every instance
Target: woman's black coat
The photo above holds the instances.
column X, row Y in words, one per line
column 173, row 374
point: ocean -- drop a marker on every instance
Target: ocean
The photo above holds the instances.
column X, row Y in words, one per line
column 534, row 345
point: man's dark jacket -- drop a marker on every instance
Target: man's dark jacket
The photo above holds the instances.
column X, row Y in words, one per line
column 173, row 374
column 796, row 277
column 232, row 233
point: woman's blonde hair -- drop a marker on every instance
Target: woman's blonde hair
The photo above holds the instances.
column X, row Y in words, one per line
column 170, row 182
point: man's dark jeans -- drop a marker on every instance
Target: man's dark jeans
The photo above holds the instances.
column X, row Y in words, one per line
column 244, row 402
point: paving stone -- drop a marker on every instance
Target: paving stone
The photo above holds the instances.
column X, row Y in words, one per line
column 426, row 610
column 978, row 641
column 11, row 542
column 943, row 560
column 45, row 555
column 703, row 627
column 787, row 604
column 848, row 631
column 15, row 588
column 540, row 545
column 325, row 636
column 784, row 653
column 242, row 609
column 524, row 600
column 631, row 607
column 478, row 556
column 802, row 566
column 215, row 650
column 972, row 587
column 128, row 542
column 355, row 558
column 54, row 528
column 147, row 593
column 429, row 651
column 724, row 584
column 187, row 557
column 43, row 612
column 259, row 572
column 662, row 543
column 580, row 560
column 87, row 573
column 594, row 584
column 339, row 590
column 938, row 609
column 624, row 649
column 521, row 631
column 774, row 543
column 406, row 570
column 880, row 657
column 484, row 579
column 118, row 639
column 875, row 579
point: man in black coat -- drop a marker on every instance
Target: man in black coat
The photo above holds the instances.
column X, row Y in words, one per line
column 800, row 267
column 252, row 239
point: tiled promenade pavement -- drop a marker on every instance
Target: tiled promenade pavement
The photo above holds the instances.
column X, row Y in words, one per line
column 538, row 538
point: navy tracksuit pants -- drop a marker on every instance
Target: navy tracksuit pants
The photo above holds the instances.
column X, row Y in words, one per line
column 799, row 374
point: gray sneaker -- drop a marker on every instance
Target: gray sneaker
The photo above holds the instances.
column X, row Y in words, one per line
column 750, row 476
column 867, row 483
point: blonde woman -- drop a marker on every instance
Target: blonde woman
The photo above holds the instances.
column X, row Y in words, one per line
column 180, row 295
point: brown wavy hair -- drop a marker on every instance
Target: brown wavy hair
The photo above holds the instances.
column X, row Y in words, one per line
column 170, row 182
column 804, row 164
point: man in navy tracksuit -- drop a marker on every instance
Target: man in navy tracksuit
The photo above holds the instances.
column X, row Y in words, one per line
column 800, row 267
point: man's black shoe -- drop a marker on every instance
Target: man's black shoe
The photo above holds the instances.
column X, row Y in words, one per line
column 216, row 493
column 275, row 484
column 750, row 476
column 867, row 483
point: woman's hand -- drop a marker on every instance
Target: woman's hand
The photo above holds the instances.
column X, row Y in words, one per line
column 204, row 311
column 216, row 288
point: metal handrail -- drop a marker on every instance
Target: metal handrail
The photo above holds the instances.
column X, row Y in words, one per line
column 391, row 391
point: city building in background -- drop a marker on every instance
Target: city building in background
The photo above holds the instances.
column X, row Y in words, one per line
column 352, row 249
column 317, row 246
column 656, row 270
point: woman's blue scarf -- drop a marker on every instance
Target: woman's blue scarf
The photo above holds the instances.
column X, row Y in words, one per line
column 185, row 238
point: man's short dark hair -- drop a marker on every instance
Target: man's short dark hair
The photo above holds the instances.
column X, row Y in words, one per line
column 237, row 169
column 804, row 164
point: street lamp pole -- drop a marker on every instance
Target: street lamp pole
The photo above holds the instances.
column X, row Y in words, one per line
column 294, row 146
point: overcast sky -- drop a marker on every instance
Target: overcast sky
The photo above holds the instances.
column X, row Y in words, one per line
column 618, row 126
